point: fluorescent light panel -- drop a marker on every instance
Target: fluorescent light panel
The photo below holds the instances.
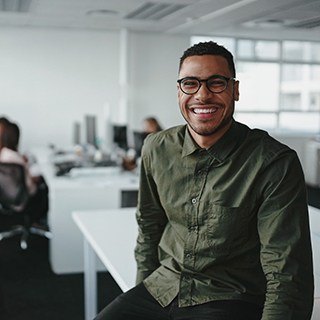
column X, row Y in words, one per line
column 15, row 5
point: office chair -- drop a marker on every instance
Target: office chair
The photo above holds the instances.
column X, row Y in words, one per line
column 14, row 197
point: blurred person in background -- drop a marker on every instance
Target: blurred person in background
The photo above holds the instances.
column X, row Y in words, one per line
column 38, row 203
column 151, row 125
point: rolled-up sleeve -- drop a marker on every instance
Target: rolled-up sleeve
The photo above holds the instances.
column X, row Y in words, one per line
column 286, row 254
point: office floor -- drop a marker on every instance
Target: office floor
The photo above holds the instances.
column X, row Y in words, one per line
column 30, row 290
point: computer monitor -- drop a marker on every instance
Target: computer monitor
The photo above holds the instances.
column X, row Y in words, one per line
column 138, row 138
column 120, row 136
column 76, row 133
column 91, row 131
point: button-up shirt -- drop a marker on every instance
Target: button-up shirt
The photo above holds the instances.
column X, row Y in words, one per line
column 225, row 223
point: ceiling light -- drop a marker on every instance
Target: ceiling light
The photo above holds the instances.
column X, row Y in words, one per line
column 15, row 5
column 269, row 23
column 101, row 12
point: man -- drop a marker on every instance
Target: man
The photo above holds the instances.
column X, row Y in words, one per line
column 222, row 213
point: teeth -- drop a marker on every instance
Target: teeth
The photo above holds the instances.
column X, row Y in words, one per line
column 204, row 110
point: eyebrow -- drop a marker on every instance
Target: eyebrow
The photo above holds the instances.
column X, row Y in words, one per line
column 212, row 76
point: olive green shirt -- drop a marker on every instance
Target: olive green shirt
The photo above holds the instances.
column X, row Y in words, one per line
column 228, row 222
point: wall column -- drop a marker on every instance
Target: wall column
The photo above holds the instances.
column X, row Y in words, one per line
column 122, row 114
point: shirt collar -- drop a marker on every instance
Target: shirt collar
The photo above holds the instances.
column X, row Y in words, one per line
column 189, row 145
column 222, row 148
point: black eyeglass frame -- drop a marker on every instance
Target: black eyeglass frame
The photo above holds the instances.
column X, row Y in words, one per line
column 215, row 76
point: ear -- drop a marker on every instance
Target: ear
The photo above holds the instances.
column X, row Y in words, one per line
column 178, row 91
column 236, row 93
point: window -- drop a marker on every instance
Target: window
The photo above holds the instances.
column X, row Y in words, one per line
column 290, row 101
column 291, row 72
column 315, row 52
column 315, row 72
column 294, row 50
column 255, row 79
column 299, row 87
column 314, row 101
column 279, row 82
column 301, row 51
column 267, row 50
column 246, row 49
column 297, row 121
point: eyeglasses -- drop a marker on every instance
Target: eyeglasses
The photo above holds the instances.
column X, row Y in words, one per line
column 215, row 84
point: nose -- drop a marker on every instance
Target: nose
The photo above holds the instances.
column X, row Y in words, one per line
column 203, row 92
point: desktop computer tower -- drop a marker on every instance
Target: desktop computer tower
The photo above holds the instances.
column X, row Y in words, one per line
column 76, row 133
column 90, row 127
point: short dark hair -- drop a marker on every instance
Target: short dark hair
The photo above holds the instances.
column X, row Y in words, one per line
column 9, row 134
column 155, row 122
column 209, row 48
column 13, row 136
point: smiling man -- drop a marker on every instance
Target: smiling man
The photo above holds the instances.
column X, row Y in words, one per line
column 207, row 99
column 222, row 212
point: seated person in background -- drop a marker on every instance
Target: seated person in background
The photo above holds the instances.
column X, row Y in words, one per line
column 38, row 203
column 9, row 137
column 151, row 125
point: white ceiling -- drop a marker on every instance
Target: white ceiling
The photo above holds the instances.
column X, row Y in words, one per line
column 269, row 19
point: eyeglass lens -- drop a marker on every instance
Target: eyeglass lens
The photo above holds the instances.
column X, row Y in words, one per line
column 214, row 84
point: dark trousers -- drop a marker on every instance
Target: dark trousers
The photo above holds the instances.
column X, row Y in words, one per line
column 138, row 304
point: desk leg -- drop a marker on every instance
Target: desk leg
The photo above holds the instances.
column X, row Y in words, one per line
column 90, row 282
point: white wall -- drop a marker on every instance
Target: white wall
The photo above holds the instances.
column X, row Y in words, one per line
column 154, row 64
column 50, row 78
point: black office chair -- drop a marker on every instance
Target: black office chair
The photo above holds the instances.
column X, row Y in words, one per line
column 14, row 198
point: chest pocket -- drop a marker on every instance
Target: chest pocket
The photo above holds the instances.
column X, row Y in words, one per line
column 226, row 228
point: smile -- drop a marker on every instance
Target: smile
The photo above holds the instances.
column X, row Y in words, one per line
column 199, row 110
column 204, row 111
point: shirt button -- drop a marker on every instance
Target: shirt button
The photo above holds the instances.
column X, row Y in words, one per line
column 188, row 255
column 194, row 200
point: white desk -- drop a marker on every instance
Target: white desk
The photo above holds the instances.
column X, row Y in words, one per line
column 314, row 215
column 111, row 235
column 98, row 189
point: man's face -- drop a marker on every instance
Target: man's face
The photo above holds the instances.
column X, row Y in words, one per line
column 205, row 112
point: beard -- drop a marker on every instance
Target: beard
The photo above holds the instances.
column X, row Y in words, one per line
column 205, row 129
